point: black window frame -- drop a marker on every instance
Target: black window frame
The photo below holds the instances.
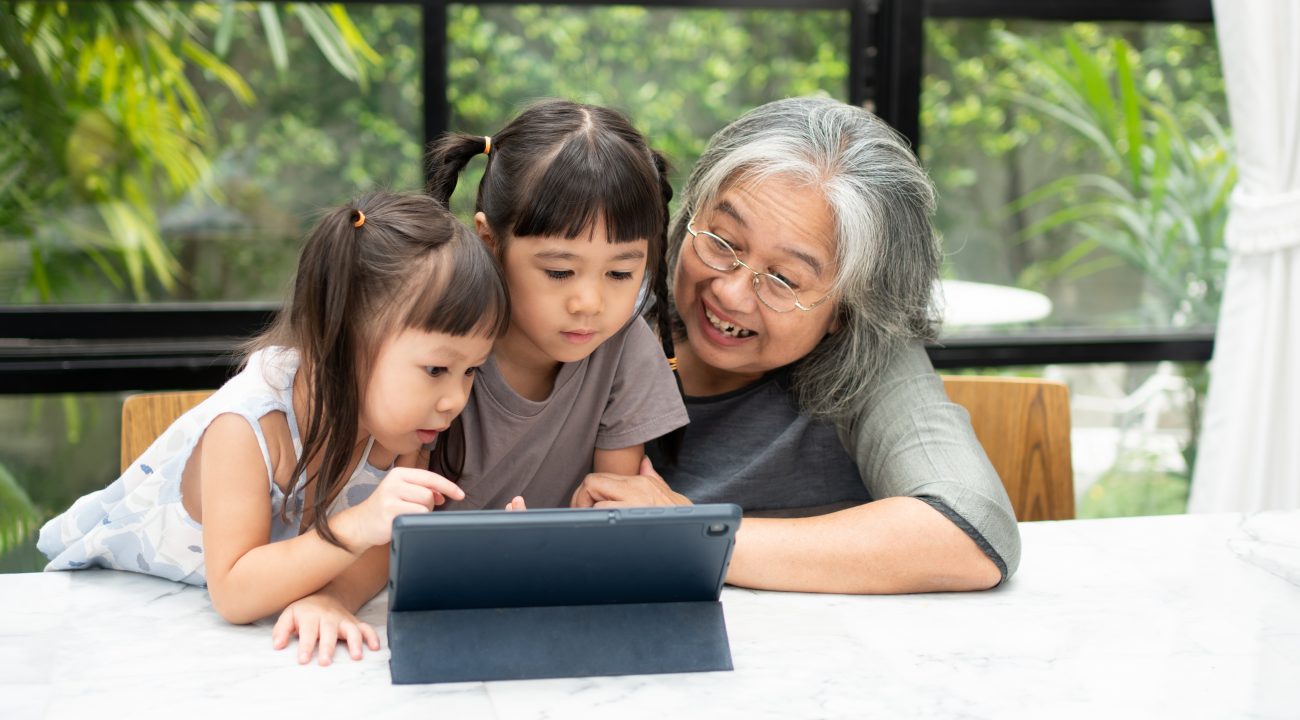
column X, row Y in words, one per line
column 174, row 346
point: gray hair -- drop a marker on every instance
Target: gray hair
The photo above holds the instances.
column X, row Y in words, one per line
column 887, row 253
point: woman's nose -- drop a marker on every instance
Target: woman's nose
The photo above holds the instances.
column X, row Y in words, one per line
column 735, row 289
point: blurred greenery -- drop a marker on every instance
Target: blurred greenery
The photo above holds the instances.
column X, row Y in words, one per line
column 178, row 150
column 1130, row 489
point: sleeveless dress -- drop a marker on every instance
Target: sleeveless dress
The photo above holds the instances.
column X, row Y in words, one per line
column 138, row 522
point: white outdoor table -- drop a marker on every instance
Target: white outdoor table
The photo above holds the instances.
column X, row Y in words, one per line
column 1178, row 617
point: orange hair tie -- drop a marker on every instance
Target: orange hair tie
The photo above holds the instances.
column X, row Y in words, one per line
column 672, row 363
column 487, row 144
column 361, row 219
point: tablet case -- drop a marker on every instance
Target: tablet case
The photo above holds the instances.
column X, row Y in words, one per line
column 558, row 593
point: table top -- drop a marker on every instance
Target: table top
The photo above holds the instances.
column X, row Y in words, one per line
column 1183, row 616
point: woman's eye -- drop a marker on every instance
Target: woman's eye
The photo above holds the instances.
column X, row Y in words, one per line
column 559, row 274
column 793, row 285
column 620, row 275
column 471, row 372
column 435, row 371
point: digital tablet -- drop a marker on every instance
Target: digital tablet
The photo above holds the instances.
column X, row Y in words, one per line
column 534, row 558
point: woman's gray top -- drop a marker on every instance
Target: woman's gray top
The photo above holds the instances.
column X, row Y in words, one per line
column 754, row 448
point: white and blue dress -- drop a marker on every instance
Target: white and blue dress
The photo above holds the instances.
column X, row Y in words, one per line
column 138, row 522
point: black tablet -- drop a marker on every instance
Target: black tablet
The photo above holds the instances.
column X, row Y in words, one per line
column 499, row 559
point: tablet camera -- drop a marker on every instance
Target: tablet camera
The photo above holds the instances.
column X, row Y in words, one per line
column 716, row 530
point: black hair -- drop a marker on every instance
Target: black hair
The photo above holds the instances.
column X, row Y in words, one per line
column 555, row 169
column 385, row 261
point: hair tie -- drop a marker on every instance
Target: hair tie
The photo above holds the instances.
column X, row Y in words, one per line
column 487, row 144
column 672, row 363
column 361, row 219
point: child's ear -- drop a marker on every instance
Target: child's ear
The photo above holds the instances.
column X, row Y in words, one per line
column 484, row 231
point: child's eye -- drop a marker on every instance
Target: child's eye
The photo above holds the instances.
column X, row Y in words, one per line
column 471, row 372
column 620, row 275
column 435, row 371
column 559, row 274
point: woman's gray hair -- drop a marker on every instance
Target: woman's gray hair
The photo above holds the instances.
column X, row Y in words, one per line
column 887, row 253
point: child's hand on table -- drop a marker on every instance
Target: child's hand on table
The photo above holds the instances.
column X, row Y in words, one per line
column 321, row 618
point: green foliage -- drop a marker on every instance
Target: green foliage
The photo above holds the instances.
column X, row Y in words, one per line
column 18, row 516
column 1136, row 491
column 107, row 124
column 1161, row 206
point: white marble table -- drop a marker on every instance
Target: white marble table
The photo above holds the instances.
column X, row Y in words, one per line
column 1180, row 617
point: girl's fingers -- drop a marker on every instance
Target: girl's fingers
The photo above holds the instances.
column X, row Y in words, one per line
column 416, row 494
column 306, row 641
column 368, row 632
column 434, row 481
column 329, row 637
column 283, row 629
column 352, row 634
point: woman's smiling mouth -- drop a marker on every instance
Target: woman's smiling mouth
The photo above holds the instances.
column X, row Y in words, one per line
column 725, row 327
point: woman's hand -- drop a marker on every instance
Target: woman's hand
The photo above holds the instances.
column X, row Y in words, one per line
column 609, row 490
column 403, row 491
column 321, row 617
column 517, row 504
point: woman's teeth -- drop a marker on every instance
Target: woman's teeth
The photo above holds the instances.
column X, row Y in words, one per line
column 726, row 328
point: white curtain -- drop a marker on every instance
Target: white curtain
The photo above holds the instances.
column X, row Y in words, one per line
column 1249, row 457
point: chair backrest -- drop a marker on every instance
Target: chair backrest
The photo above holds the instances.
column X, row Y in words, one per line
column 144, row 417
column 1024, row 426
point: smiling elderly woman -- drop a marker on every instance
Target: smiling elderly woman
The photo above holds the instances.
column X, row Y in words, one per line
column 803, row 261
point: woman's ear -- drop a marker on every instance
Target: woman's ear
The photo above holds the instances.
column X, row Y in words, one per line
column 485, row 232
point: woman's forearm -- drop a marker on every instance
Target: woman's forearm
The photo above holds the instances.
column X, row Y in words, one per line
column 895, row 545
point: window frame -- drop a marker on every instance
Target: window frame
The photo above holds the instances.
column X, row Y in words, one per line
column 104, row 348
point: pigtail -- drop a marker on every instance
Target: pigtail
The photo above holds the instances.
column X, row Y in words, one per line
column 447, row 157
column 325, row 293
column 671, row 443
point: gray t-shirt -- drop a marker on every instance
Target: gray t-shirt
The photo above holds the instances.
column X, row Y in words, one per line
column 623, row 394
column 753, row 447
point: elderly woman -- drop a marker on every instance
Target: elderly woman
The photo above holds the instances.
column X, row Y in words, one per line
column 803, row 261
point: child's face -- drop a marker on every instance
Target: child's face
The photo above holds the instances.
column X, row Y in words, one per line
column 569, row 296
column 419, row 382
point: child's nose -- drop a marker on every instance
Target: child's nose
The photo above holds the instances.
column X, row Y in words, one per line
column 585, row 300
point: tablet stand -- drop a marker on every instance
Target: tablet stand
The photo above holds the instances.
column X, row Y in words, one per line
column 434, row 646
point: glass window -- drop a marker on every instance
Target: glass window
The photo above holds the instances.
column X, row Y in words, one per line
column 177, row 151
column 1088, row 163
column 1133, row 432
column 679, row 74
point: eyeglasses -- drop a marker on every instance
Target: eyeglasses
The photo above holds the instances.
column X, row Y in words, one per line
column 719, row 255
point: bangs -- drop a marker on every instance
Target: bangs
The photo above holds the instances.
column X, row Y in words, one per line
column 462, row 294
column 593, row 175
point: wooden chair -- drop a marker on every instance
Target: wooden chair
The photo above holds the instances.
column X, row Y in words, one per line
column 145, row 416
column 1024, row 426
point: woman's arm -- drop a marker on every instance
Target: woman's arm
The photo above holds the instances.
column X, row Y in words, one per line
column 894, row 545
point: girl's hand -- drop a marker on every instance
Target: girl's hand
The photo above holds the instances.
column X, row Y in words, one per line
column 517, row 503
column 403, row 491
column 610, row 490
column 322, row 617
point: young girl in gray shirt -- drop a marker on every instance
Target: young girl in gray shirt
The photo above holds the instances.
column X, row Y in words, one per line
column 573, row 203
